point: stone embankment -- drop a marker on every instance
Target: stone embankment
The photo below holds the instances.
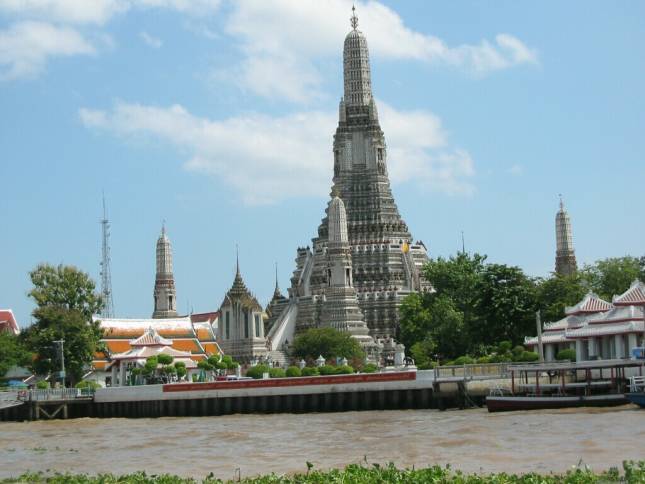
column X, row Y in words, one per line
column 337, row 393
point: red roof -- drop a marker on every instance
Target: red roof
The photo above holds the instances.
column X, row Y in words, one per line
column 635, row 295
column 590, row 304
column 204, row 317
column 8, row 321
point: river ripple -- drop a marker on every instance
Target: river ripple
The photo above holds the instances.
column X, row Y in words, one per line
column 471, row 440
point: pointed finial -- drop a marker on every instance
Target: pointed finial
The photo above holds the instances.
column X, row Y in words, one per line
column 354, row 19
column 237, row 260
column 276, row 275
column 561, row 202
column 463, row 244
column 163, row 226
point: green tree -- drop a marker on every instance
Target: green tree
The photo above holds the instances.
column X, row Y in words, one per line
column 81, row 339
column 458, row 278
column 12, row 352
column 506, row 303
column 65, row 287
column 180, row 369
column 164, row 359
column 613, row 276
column 432, row 325
column 66, row 300
column 328, row 342
column 558, row 292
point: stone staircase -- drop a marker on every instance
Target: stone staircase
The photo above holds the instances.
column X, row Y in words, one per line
column 280, row 357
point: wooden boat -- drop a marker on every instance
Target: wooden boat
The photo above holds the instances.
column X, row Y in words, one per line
column 563, row 385
column 506, row 403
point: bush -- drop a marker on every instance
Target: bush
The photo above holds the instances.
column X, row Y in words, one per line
column 504, row 347
column 328, row 342
column 92, row 385
column 205, row 365
column 257, row 371
column 464, row 360
column 293, row 371
column 343, row 370
column 529, row 356
column 164, row 359
column 370, row 368
column 326, row 370
column 567, row 354
column 310, row 371
column 277, row 373
column 518, row 351
column 42, row 385
column 483, row 359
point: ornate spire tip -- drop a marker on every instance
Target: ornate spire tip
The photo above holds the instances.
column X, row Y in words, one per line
column 354, row 19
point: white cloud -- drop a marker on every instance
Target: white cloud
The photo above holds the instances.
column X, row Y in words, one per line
column 151, row 40
column 516, row 170
column 26, row 46
column 97, row 11
column 267, row 159
column 311, row 30
column 67, row 11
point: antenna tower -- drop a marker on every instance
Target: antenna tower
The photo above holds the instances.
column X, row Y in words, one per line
column 106, row 273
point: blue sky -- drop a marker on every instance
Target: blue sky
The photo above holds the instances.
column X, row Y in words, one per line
column 218, row 117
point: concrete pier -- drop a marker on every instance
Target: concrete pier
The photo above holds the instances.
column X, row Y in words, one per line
column 338, row 393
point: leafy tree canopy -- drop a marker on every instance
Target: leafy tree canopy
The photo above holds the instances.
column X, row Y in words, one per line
column 81, row 338
column 66, row 300
column 12, row 352
column 609, row 277
column 67, row 287
column 558, row 292
column 328, row 342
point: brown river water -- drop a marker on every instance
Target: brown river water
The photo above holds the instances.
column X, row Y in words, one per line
column 471, row 440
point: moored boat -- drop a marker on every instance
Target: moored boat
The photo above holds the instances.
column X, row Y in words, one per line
column 563, row 385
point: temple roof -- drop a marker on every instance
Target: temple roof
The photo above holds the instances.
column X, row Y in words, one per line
column 240, row 294
column 8, row 321
column 150, row 338
column 619, row 314
column 606, row 329
column 634, row 295
column 591, row 303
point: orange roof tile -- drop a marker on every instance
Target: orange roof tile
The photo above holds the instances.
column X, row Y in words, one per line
column 186, row 345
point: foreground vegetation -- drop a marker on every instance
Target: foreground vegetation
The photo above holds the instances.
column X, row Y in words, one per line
column 631, row 473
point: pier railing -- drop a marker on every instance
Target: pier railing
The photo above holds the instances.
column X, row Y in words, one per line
column 478, row 371
column 55, row 394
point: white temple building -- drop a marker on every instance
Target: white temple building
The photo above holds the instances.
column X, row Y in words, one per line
column 241, row 329
column 597, row 329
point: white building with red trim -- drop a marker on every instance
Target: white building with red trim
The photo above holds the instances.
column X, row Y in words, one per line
column 145, row 346
column 8, row 322
column 597, row 329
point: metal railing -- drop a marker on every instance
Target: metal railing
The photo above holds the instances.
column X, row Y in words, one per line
column 477, row 371
column 39, row 395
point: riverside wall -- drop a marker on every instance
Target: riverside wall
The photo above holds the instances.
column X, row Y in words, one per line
column 338, row 393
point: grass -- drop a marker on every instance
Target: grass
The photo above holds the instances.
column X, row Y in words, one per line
column 631, row 473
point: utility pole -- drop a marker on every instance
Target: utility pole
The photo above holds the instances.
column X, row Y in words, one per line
column 106, row 272
column 61, row 342
column 538, row 323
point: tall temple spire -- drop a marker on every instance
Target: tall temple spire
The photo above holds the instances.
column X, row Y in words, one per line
column 165, row 296
column 367, row 237
column 356, row 67
column 565, row 257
